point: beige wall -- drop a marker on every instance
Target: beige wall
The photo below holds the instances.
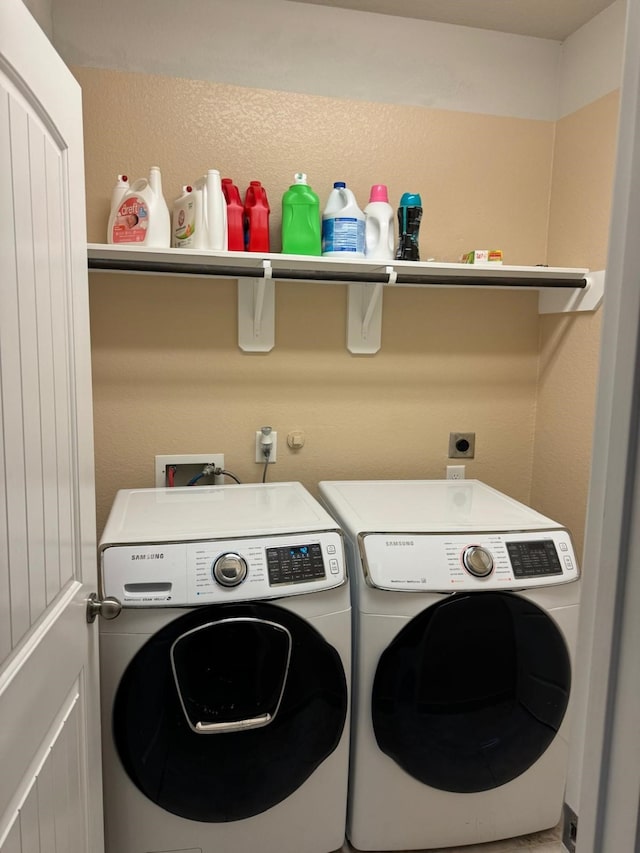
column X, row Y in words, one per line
column 584, row 156
column 168, row 374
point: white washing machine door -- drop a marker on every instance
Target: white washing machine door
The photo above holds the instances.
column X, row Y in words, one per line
column 228, row 709
column 472, row 691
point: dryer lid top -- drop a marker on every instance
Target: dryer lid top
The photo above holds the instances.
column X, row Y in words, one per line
column 427, row 506
column 195, row 512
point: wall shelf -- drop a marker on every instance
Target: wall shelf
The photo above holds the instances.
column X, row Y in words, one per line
column 560, row 289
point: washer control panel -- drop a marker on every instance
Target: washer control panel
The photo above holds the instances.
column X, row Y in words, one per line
column 439, row 562
column 175, row 574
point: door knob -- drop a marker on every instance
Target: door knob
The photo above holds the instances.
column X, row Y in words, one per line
column 108, row 608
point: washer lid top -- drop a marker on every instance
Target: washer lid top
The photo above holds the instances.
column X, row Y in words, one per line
column 203, row 512
column 425, row 506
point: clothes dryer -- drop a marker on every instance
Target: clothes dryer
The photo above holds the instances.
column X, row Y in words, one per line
column 225, row 679
column 465, row 606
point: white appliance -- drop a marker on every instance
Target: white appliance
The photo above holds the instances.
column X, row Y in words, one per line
column 465, row 606
column 225, row 678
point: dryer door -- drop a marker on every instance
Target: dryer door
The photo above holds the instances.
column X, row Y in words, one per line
column 228, row 710
column 472, row 691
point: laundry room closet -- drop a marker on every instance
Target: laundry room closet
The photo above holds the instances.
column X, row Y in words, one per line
column 510, row 140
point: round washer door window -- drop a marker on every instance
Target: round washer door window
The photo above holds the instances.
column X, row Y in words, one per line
column 228, row 710
column 472, row 691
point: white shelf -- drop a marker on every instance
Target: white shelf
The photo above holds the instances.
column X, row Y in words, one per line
column 560, row 289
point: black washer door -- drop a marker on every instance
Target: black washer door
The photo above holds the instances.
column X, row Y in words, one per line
column 229, row 709
column 472, row 691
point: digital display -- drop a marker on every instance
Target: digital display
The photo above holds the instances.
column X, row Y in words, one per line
column 534, row 559
column 295, row 564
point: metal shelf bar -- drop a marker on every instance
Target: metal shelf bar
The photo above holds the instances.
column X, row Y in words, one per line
column 478, row 279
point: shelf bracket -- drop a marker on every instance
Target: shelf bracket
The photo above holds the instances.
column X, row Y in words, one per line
column 364, row 316
column 256, row 312
column 562, row 300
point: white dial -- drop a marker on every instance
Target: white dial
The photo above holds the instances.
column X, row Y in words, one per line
column 477, row 561
column 229, row 569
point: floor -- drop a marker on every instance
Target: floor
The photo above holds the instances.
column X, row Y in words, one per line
column 548, row 841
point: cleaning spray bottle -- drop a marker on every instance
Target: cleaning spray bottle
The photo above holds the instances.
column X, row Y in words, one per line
column 140, row 215
column 211, row 213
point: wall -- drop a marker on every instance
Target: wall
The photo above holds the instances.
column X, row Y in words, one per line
column 583, row 164
column 168, row 375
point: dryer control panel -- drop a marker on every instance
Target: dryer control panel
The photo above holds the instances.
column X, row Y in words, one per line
column 174, row 574
column 440, row 562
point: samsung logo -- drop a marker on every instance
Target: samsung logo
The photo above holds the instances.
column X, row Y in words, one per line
column 399, row 543
column 156, row 556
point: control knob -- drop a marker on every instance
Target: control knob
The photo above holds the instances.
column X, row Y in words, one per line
column 229, row 569
column 477, row 561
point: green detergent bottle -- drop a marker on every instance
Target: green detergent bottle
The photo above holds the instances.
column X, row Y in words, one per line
column 301, row 233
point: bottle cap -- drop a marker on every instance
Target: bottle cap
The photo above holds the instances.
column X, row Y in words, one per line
column 379, row 193
column 339, row 185
column 300, row 178
column 410, row 200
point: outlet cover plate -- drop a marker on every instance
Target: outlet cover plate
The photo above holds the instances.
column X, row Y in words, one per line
column 462, row 445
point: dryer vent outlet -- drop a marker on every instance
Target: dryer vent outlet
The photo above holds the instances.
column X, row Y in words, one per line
column 462, row 445
column 186, row 467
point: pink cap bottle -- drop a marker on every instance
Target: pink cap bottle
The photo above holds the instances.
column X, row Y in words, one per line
column 378, row 229
column 379, row 193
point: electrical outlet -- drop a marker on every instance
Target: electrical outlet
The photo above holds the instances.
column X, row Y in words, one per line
column 455, row 472
column 273, row 435
column 188, row 466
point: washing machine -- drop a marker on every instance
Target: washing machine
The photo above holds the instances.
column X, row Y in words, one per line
column 465, row 606
column 225, row 678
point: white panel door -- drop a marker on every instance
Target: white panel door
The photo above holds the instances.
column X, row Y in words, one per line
column 50, row 777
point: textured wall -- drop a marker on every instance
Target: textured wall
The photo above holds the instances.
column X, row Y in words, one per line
column 168, row 375
column 584, row 159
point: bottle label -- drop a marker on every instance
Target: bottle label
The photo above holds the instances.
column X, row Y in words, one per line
column 131, row 222
column 409, row 223
column 184, row 225
column 343, row 234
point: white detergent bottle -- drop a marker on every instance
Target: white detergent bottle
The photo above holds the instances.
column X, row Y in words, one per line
column 141, row 215
column 210, row 213
column 121, row 187
column 184, row 220
column 378, row 232
column 342, row 225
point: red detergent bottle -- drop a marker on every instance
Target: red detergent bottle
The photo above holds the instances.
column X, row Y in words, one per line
column 256, row 217
column 235, row 216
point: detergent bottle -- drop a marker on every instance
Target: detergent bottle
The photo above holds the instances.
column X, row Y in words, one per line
column 184, row 220
column 301, row 219
column 122, row 185
column 235, row 216
column 140, row 215
column 342, row 224
column 378, row 227
column 211, row 213
column 256, row 218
